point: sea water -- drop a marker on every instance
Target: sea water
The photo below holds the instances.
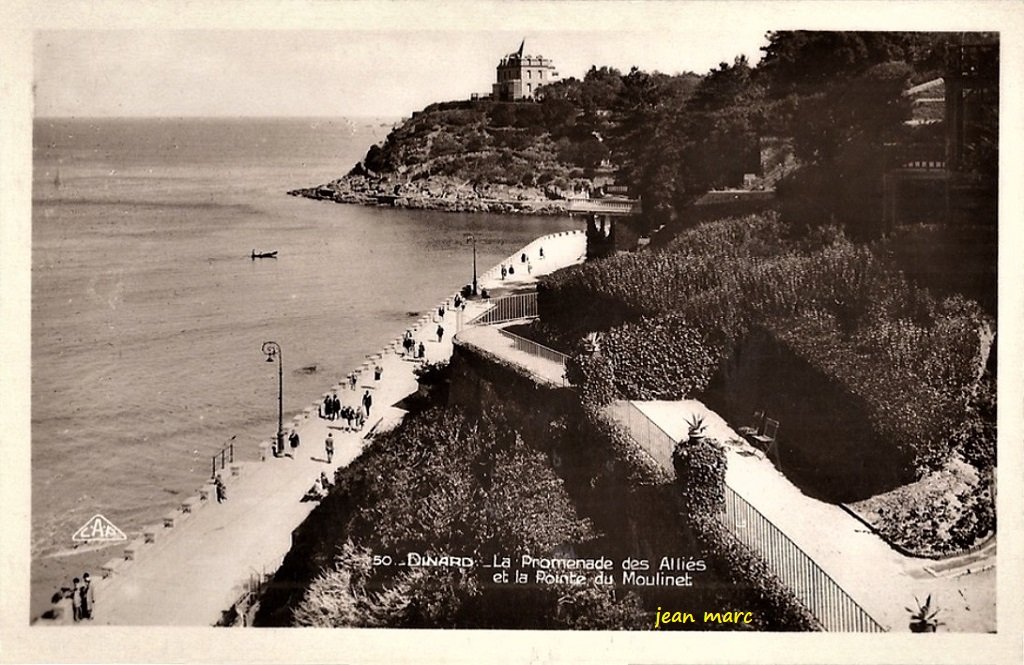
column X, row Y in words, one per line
column 148, row 315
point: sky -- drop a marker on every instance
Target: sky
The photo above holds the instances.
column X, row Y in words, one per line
column 302, row 72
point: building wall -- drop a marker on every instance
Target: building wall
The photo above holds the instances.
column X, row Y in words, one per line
column 519, row 78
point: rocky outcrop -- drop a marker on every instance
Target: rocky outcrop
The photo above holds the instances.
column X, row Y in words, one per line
column 437, row 193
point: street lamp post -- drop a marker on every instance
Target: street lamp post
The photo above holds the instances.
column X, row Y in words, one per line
column 273, row 349
column 472, row 239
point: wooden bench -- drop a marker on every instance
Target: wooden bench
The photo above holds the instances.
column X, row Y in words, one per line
column 171, row 518
column 236, row 469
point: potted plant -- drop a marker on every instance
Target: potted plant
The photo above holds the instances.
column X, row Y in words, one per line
column 922, row 620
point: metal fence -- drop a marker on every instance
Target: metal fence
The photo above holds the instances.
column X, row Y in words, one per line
column 538, row 350
column 509, row 308
column 813, row 587
column 224, row 456
column 645, row 432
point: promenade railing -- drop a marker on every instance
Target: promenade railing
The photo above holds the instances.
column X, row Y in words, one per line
column 224, row 456
column 645, row 432
column 509, row 308
column 812, row 586
column 538, row 350
column 610, row 206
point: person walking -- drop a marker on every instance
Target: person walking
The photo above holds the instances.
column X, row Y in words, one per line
column 440, row 333
column 329, row 447
column 367, row 401
column 440, row 312
column 88, row 597
column 352, row 380
column 293, row 440
column 222, row 491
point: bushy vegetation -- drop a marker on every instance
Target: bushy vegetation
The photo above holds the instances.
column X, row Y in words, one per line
column 444, row 484
column 912, row 358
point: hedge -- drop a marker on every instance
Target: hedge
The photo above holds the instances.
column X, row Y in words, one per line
column 912, row 357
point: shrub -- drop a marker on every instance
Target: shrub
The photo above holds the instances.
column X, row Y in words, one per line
column 700, row 464
column 438, row 483
column 659, row 358
column 593, row 375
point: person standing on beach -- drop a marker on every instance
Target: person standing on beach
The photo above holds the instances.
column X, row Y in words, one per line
column 440, row 333
column 88, row 597
column 293, row 440
column 542, row 252
column 325, row 412
column 421, row 351
column 222, row 491
column 529, row 267
column 329, row 447
column 76, row 600
column 367, row 401
column 503, row 271
column 377, row 371
column 336, row 407
column 352, row 380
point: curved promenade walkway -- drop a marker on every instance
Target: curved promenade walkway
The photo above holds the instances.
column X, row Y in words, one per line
column 197, row 569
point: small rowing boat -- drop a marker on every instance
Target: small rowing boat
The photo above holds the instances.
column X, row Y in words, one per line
column 263, row 255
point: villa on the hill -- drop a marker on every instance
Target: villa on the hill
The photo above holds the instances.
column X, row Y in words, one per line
column 520, row 76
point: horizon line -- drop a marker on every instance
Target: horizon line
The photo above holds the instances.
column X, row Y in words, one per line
column 211, row 117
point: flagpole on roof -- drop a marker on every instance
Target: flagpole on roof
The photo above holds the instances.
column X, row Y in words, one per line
column 521, row 45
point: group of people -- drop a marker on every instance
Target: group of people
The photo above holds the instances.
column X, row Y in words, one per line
column 411, row 349
column 333, row 409
column 75, row 603
column 523, row 258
